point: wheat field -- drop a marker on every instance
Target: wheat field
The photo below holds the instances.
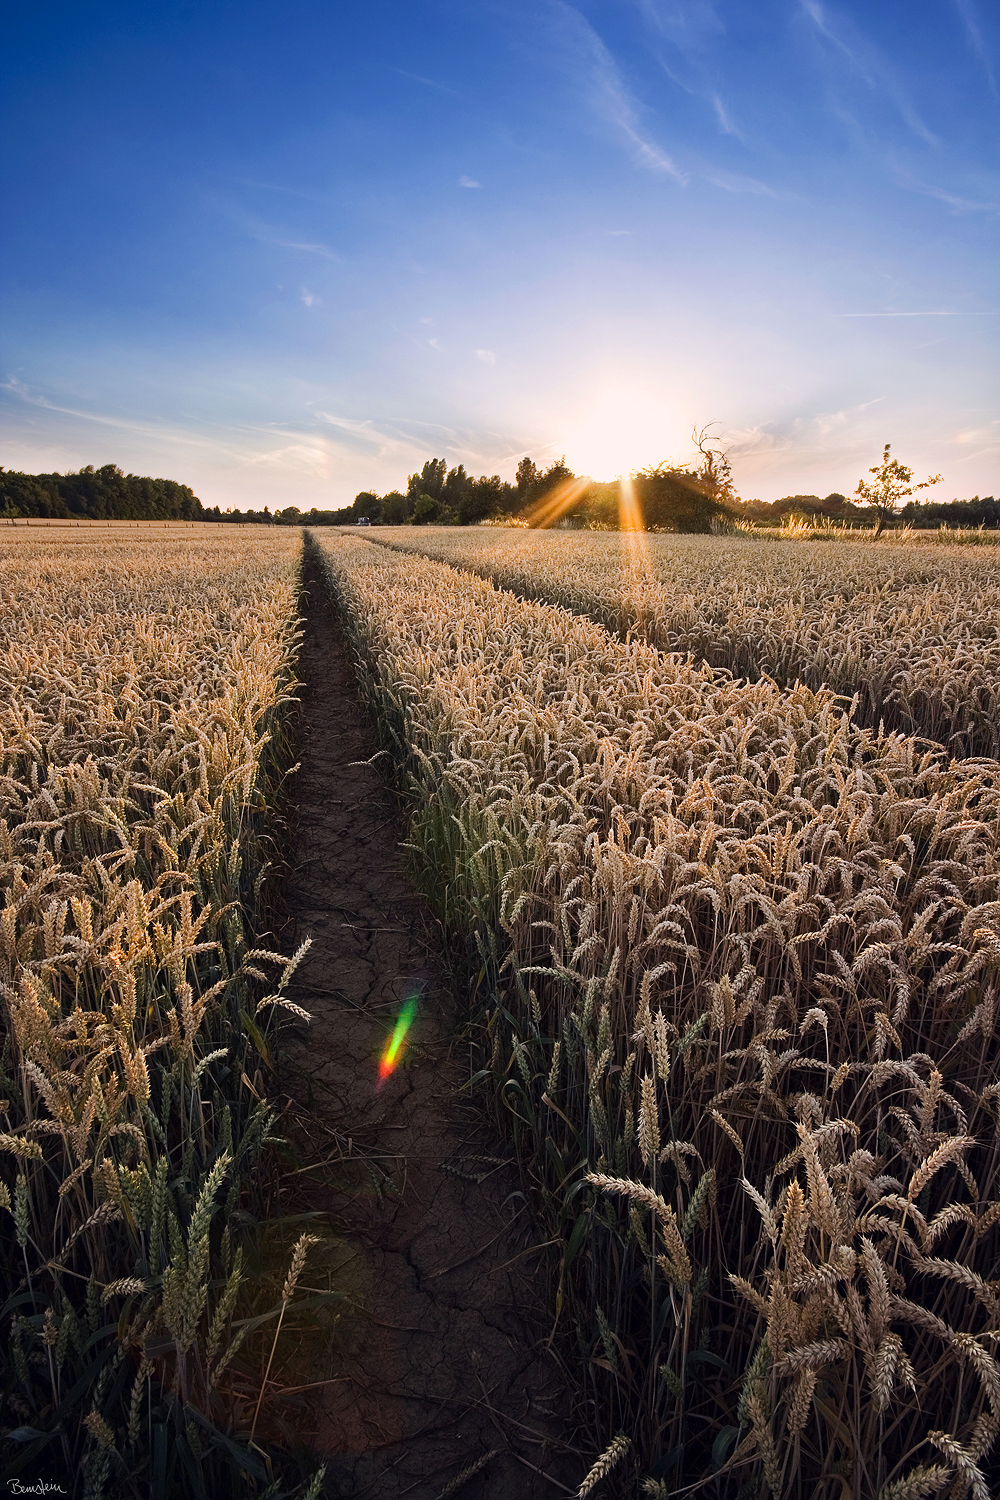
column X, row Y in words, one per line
column 736, row 987
column 732, row 958
column 144, row 687
column 912, row 633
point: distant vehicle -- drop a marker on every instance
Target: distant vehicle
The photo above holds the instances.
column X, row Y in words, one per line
column 362, row 521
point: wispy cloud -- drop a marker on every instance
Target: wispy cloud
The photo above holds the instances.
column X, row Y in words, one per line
column 977, row 442
column 325, row 455
column 265, row 232
column 431, row 83
column 410, row 441
column 990, row 431
column 816, row 14
column 308, row 247
column 309, row 299
column 487, row 356
column 954, row 201
column 737, row 182
column 327, row 446
column 966, row 10
column 867, row 64
column 469, row 182
column 611, row 97
column 609, row 94
column 26, row 393
column 692, row 31
column 277, row 187
column 722, row 115
column 312, row 458
column 213, row 441
column 807, row 435
column 687, row 24
column 936, row 312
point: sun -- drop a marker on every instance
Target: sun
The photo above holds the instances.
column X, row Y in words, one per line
column 623, row 429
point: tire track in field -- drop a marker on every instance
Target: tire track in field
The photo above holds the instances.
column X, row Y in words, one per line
column 448, row 1365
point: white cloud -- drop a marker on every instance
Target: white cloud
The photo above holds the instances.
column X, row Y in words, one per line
column 487, row 356
column 611, row 98
column 308, row 298
column 737, row 182
column 688, row 25
column 469, row 182
column 981, row 441
column 434, row 343
column 953, row 200
column 431, row 83
column 277, row 187
column 866, row 62
column 609, row 93
column 311, row 458
column 725, row 123
column 967, row 12
column 930, row 313
column 815, row 13
column 310, row 249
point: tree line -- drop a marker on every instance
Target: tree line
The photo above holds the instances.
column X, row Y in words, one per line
column 924, row 515
column 104, row 494
column 443, row 496
column 696, row 497
column 669, row 497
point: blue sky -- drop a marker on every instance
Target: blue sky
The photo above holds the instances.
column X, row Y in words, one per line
column 287, row 252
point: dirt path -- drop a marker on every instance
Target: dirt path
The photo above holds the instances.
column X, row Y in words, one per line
column 450, row 1366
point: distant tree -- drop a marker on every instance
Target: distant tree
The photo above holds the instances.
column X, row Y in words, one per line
column 892, row 483
column 978, row 511
column 673, row 497
column 430, row 480
column 769, row 513
column 461, row 499
column 528, row 477
column 484, row 498
column 395, row 508
column 102, row 494
column 716, row 474
column 798, row 505
column 368, row 505
column 556, row 472
column 454, row 489
column 426, row 508
column 676, row 499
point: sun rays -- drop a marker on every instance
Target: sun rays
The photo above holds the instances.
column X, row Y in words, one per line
column 555, row 504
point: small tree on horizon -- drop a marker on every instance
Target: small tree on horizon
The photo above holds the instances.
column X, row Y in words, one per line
column 891, row 485
column 716, row 473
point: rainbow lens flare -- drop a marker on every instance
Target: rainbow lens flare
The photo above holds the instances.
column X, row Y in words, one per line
column 396, row 1044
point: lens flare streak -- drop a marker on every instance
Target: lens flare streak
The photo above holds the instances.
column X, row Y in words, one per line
column 551, row 508
column 396, row 1045
column 637, row 568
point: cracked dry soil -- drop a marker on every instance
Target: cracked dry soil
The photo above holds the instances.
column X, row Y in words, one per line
column 448, row 1359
